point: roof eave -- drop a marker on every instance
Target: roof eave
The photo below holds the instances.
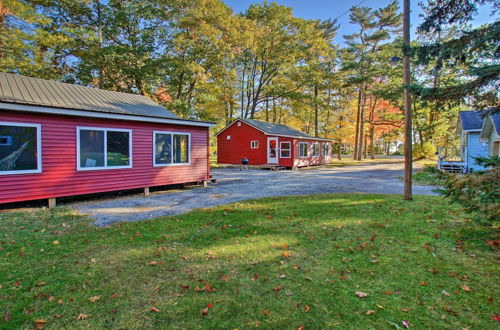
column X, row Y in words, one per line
column 102, row 115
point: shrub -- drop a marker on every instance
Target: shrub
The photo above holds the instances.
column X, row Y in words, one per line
column 430, row 175
column 427, row 150
column 477, row 192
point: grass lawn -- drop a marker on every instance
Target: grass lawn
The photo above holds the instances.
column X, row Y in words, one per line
column 273, row 263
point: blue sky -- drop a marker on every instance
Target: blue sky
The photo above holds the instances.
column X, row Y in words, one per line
column 324, row 9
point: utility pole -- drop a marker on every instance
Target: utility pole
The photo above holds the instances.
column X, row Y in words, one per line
column 407, row 101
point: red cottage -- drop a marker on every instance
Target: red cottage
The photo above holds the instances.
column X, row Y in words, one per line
column 270, row 144
column 59, row 140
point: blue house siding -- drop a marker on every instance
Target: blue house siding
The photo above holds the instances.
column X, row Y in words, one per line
column 475, row 148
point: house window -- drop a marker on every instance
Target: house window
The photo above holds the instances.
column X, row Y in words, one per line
column 228, row 137
column 303, row 149
column 239, row 124
column 316, row 150
column 103, row 148
column 5, row 140
column 285, row 149
column 326, row 149
column 254, row 144
column 171, row 148
column 20, row 148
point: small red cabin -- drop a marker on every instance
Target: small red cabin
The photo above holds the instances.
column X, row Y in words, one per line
column 270, row 144
column 59, row 139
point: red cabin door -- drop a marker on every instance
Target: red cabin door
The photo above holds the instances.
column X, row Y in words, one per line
column 272, row 150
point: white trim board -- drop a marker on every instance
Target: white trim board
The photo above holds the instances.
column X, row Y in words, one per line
column 100, row 115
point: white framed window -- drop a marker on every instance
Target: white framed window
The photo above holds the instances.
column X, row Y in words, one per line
column 6, row 140
column 20, row 148
column 303, row 149
column 171, row 148
column 228, row 137
column 254, row 144
column 326, row 149
column 239, row 123
column 103, row 148
column 285, row 149
column 316, row 151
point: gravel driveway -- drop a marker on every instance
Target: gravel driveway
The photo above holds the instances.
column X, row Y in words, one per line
column 234, row 185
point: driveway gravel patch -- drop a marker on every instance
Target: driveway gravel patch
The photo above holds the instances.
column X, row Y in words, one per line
column 234, row 185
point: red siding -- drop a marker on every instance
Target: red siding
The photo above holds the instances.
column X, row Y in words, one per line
column 60, row 177
column 238, row 146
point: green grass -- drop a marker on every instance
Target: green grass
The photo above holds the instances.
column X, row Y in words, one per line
column 266, row 260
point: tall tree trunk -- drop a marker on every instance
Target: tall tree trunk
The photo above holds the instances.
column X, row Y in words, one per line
column 339, row 154
column 372, row 138
column 316, row 110
column 355, row 156
column 267, row 110
column 100, row 82
column 361, row 121
column 365, row 152
column 274, row 111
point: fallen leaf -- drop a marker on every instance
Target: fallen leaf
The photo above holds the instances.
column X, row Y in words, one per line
column 204, row 312
column 55, row 243
column 114, row 295
column 307, row 308
column 404, row 309
column 210, row 306
column 7, row 317
column 40, row 324
column 60, row 301
column 278, row 288
column 300, row 328
column 446, row 293
column 465, row 287
column 361, row 294
column 286, row 254
column 284, row 246
column 154, row 310
column 267, row 312
column 153, row 263
column 51, row 298
column 82, row 316
column 495, row 317
column 406, row 324
column 423, row 283
column 185, row 287
column 380, row 306
column 370, row 311
column 40, row 283
column 94, row 299
column 225, row 278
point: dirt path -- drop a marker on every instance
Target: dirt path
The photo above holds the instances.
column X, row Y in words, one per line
column 234, row 185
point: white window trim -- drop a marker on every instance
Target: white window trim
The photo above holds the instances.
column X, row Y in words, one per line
column 300, row 149
column 256, row 144
column 38, row 148
column 319, row 149
column 289, row 148
column 105, row 130
column 171, row 141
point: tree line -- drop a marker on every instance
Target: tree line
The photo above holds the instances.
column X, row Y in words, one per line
column 202, row 61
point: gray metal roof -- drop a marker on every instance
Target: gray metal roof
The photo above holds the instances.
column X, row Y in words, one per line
column 278, row 129
column 471, row 120
column 47, row 93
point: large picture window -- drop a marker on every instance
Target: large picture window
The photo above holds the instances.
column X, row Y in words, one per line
column 20, row 148
column 104, row 148
column 316, row 150
column 285, row 149
column 171, row 148
column 303, row 149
